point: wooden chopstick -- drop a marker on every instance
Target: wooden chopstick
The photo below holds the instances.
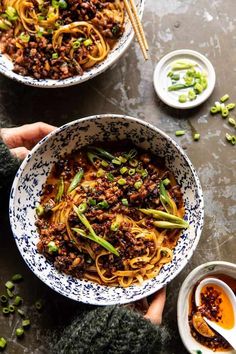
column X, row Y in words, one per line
column 137, row 26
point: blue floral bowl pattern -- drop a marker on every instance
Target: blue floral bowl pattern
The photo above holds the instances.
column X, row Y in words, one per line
column 32, row 174
column 119, row 49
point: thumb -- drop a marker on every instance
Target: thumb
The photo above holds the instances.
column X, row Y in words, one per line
column 19, row 152
column 154, row 313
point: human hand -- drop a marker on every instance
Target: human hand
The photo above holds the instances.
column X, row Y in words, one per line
column 22, row 139
column 155, row 310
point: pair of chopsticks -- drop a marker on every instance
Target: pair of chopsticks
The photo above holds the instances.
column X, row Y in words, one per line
column 137, row 26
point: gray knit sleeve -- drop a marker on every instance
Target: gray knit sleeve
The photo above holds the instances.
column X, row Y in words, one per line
column 110, row 330
column 8, row 166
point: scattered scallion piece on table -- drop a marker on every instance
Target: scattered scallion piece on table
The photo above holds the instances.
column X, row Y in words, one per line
column 9, row 285
column 224, row 112
column 196, row 136
column 214, row 110
column 11, row 308
column 38, row 305
column 5, row 311
column 180, row 132
column 17, row 277
column 19, row 332
column 224, row 98
column 3, row 343
column 232, row 121
column 18, row 300
column 21, row 312
column 25, row 323
column 3, row 299
column 230, row 106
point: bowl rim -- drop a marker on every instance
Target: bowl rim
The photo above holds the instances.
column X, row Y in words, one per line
column 194, row 274
column 149, row 126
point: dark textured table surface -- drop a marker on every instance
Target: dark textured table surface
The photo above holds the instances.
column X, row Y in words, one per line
column 208, row 26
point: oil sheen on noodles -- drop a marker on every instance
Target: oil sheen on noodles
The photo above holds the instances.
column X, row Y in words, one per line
column 110, row 215
column 69, row 36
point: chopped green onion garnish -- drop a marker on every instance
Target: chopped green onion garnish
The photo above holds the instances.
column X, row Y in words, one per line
column 103, row 153
column 92, row 202
column 115, row 226
column 62, row 4
column 11, row 13
column 131, row 171
column 122, row 159
column 230, row 106
column 182, row 98
column 225, row 112
column 19, row 332
column 224, row 98
column 214, row 110
column 88, row 42
column 16, row 277
column 161, row 215
column 116, row 162
column 39, row 210
column 180, row 132
column 5, row 310
column 3, row 299
column 9, row 285
column 76, row 180
column 11, row 308
column 21, row 312
column 196, row 136
column 10, row 294
column 55, row 56
column 123, row 170
column 232, row 121
column 125, row 202
column 102, row 205
column 60, row 190
column 18, row 300
column 133, row 163
column 3, row 343
column 82, row 207
column 166, row 182
column 52, row 248
column 76, row 44
column 110, row 177
column 138, row 184
column 121, row 181
column 100, row 172
column 24, row 37
column 104, row 163
column 25, row 323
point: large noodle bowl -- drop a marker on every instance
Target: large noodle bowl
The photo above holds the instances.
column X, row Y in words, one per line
column 58, row 39
column 111, row 215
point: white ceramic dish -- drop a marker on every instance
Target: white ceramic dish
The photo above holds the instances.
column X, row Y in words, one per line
column 33, row 172
column 162, row 81
column 119, row 49
column 206, row 269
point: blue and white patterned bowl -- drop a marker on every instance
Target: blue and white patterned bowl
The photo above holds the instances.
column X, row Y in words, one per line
column 28, row 184
column 122, row 45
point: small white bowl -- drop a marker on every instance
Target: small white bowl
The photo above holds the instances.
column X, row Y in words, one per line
column 162, row 81
column 206, row 269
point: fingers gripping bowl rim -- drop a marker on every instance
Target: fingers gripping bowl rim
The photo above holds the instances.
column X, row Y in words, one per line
column 6, row 65
column 32, row 174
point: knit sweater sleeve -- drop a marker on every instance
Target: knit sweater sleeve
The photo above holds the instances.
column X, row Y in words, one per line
column 109, row 330
column 8, row 166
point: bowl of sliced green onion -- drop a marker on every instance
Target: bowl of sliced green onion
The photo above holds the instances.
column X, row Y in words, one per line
column 184, row 79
